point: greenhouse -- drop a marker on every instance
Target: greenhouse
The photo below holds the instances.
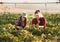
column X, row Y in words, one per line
column 29, row 20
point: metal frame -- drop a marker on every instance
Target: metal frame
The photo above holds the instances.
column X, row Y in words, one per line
column 28, row 2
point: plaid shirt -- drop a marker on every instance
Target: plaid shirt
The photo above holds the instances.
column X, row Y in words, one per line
column 18, row 22
column 42, row 21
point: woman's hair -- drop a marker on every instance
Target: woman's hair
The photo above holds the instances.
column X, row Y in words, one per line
column 24, row 21
column 37, row 11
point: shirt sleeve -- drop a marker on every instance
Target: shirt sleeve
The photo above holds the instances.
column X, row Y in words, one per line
column 17, row 22
column 44, row 23
column 34, row 21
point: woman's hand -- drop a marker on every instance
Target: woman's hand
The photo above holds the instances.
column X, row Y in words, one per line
column 18, row 27
column 34, row 26
column 37, row 25
column 38, row 21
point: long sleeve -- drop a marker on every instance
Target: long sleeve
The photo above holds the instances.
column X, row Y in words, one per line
column 43, row 21
column 34, row 21
column 17, row 22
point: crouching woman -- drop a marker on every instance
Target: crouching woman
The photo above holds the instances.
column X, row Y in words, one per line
column 39, row 20
column 22, row 23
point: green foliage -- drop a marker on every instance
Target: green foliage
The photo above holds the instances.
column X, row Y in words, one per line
column 8, row 33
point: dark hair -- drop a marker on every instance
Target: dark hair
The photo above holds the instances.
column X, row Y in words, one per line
column 37, row 11
column 24, row 21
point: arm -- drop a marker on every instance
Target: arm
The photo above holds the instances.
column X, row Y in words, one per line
column 27, row 24
column 34, row 23
column 44, row 23
column 17, row 23
column 17, row 26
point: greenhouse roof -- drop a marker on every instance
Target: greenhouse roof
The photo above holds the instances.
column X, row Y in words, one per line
column 29, row 0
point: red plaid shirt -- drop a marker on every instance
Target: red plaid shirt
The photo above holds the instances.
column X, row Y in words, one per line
column 42, row 21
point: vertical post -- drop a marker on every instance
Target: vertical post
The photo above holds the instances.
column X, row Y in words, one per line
column 15, row 5
column 45, row 7
column 1, row 2
column 57, row 7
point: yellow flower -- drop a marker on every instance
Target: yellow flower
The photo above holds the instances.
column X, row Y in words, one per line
column 16, row 39
column 49, row 34
column 25, row 33
column 35, row 38
column 10, row 24
column 4, row 28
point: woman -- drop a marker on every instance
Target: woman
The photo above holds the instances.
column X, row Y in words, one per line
column 21, row 23
column 39, row 20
